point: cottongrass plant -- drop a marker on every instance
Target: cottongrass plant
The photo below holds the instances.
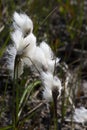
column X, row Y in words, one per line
column 23, row 23
column 23, row 52
column 52, row 91
column 51, row 83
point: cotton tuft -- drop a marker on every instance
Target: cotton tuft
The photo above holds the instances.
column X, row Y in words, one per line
column 50, row 83
column 10, row 59
column 23, row 22
column 80, row 115
column 30, row 43
column 17, row 39
column 51, row 61
column 48, row 52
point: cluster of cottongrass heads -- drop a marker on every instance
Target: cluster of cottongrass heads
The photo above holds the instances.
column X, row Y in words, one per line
column 24, row 51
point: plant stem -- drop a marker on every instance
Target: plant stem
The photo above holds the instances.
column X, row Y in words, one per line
column 55, row 94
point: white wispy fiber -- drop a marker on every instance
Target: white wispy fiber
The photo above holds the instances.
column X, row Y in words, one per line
column 24, row 46
column 34, row 52
column 39, row 59
column 50, row 83
column 23, row 22
column 68, row 77
column 14, row 67
column 10, row 59
column 17, row 39
column 51, row 61
column 48, row 52
column 80, row 115
column 30, row 44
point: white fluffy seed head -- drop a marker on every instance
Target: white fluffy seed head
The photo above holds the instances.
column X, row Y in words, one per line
column 17, row 38
column 47, row 79
column 39, row 59
column 30, row 42
column 47, row 50
column 23, row 22
column 80, row 115
column 29, row 50
column 47, row 94
column 50, row 83
column 23, row 45
column 52, row 63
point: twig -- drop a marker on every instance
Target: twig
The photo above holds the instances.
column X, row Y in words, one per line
column 31, row 111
